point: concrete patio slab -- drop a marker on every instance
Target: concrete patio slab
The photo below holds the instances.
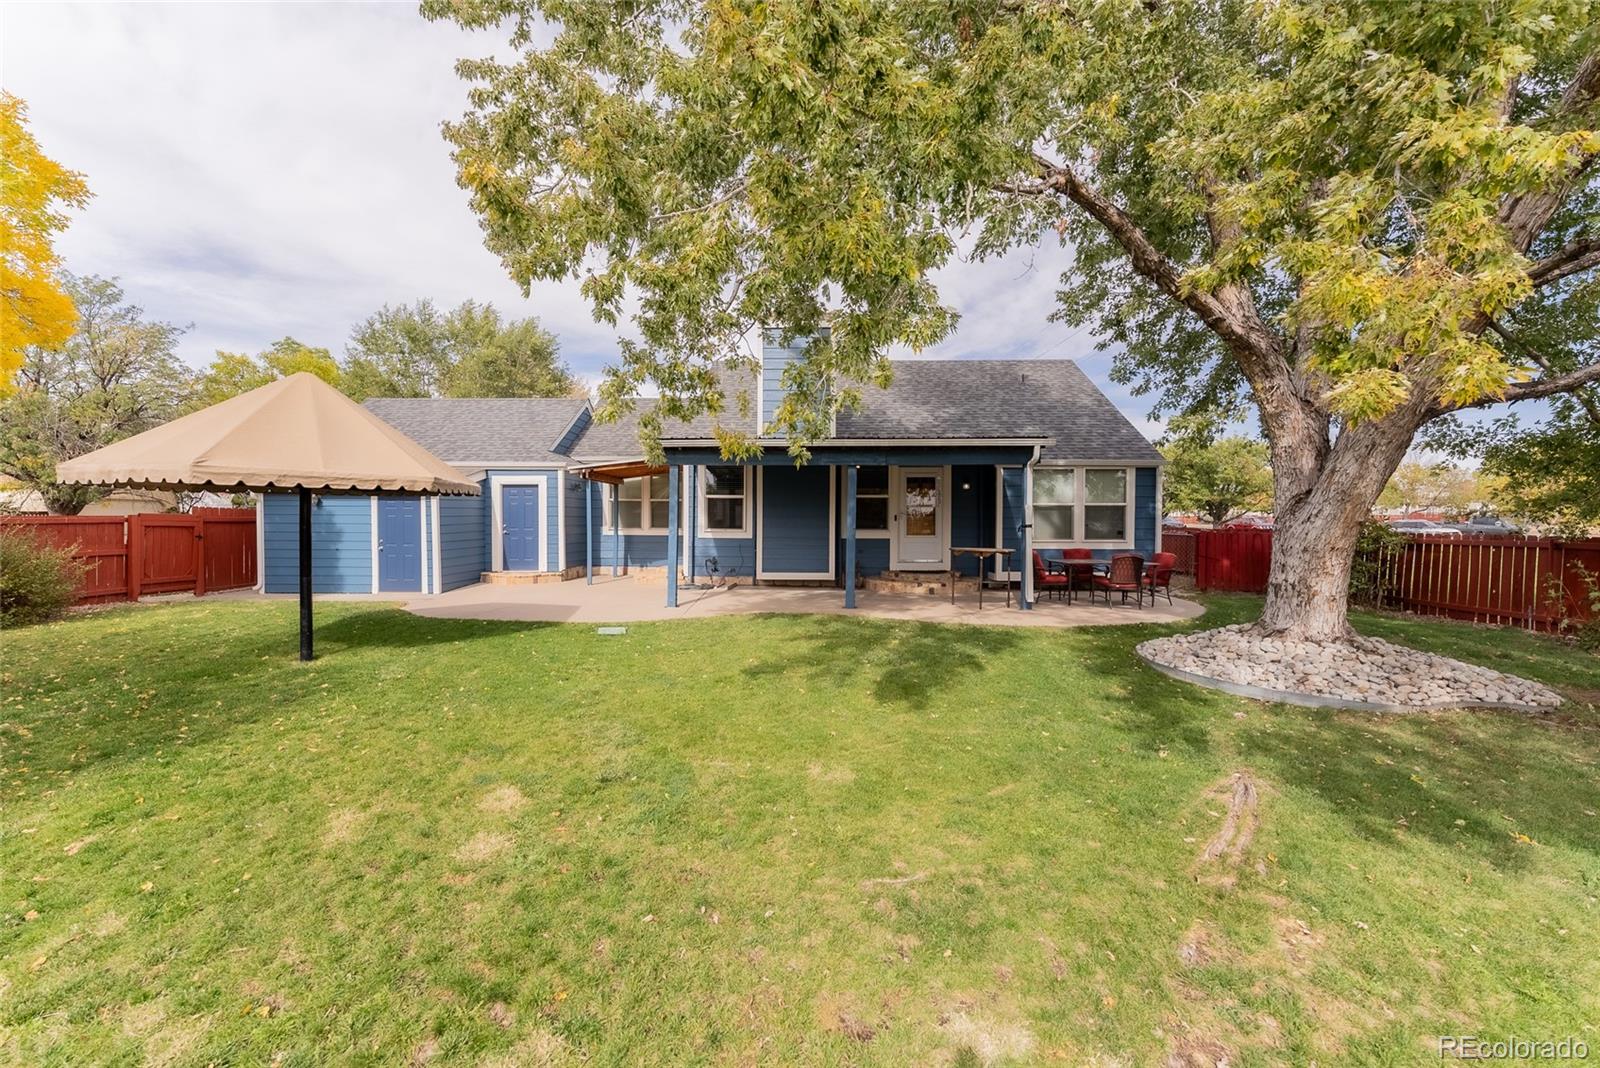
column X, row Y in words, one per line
column 622, row 600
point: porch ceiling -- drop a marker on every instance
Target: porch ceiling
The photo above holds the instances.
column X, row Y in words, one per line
column 614, row 474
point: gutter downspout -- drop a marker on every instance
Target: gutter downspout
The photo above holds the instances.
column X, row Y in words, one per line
column 1027, row 529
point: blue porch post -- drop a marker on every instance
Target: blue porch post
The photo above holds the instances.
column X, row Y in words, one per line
column 1026, row 564
column 694, row 507
column 616, row 527
column 673, row 511
column 850, row 535
column 588, row 532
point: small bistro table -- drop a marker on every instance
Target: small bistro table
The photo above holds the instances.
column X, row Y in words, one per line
column 983, row 553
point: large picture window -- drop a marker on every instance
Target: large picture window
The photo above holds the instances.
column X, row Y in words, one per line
column 724, row 499
column 872, row 499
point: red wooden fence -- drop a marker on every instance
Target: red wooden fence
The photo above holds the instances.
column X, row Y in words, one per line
column 1536, row 583
column 128, row 556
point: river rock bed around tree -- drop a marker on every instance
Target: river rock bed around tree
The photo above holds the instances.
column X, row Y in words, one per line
column 1363, row 670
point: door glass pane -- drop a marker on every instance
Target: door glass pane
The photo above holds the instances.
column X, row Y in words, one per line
column 1052, row 485
column 922, row 505
column 1053, row 522
column 1106, row 486
column 1105, row 523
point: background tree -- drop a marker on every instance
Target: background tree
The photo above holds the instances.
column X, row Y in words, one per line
column 415, row 351
column 35, row 191
column 232, row 373
column 1219, row 480
column 1333, row 209
column 116, row 375
column 1550, row 473
column 1436, row 487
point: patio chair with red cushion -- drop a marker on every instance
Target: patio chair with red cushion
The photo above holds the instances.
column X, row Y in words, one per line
column 1125, row 576
column 1044, row 579
column 1158, row 575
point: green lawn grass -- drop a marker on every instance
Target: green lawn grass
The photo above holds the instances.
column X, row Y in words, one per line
column 765, row 840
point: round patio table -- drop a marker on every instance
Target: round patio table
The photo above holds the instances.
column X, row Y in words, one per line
column 983, row 553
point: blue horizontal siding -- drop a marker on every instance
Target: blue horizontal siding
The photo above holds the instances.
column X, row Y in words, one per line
column 574, row 432
column 795, row 528
column 461, row 540
column 736, row 557
column 341, row 544
column 572, row 535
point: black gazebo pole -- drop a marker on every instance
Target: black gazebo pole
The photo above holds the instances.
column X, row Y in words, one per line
column 305, row 573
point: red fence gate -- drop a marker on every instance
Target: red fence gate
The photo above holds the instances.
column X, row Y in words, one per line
column 128, row 556
column 1536, row 583
column 1179, row 543
column 1235, row 558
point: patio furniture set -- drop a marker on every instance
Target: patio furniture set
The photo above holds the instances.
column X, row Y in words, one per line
column 1123, row 574
column 1078, row 570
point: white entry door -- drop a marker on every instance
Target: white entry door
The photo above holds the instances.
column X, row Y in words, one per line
column 921, row 520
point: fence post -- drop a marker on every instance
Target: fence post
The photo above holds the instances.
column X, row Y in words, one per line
column 199, row 557
column 135, row 555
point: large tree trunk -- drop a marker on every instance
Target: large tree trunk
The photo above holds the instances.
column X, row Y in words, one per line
column 1318, row 521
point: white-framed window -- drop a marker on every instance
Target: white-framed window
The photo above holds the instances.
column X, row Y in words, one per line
column 1083, row 506
column 1105, row 505
column 641, row 505
column 1055, row 493
column 872, row 500
column 724, row 506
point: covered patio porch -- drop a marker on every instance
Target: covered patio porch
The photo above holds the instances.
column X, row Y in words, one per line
column 626, row 599
column 854, row 509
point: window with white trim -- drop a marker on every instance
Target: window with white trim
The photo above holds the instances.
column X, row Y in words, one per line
column 1083, row 506
column 724, row 499
column 872, row 499
column 1055, row 491
column 1105, row 504
column 642, row 504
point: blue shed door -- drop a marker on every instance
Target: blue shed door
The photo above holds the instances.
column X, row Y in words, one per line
column 519, row 527
column 399, row 543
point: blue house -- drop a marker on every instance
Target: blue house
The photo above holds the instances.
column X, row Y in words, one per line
column 1024, row 454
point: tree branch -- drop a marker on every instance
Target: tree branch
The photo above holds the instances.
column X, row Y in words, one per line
column 1525, row 216
column 1297, row 430
column 1579, row 255
column 1579, row 393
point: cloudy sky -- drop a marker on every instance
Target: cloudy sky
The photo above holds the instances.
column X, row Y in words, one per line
column 263, row 170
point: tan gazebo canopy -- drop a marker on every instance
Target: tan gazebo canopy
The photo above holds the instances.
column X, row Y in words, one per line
column 297, row 433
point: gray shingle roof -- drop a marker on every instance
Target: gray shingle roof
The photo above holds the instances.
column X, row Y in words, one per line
column 620, row 440
column 928, row 399
column 482, row 429
column 955, row 399
column 999, row 398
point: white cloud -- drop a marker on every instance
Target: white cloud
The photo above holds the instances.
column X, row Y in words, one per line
column 262, row 170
